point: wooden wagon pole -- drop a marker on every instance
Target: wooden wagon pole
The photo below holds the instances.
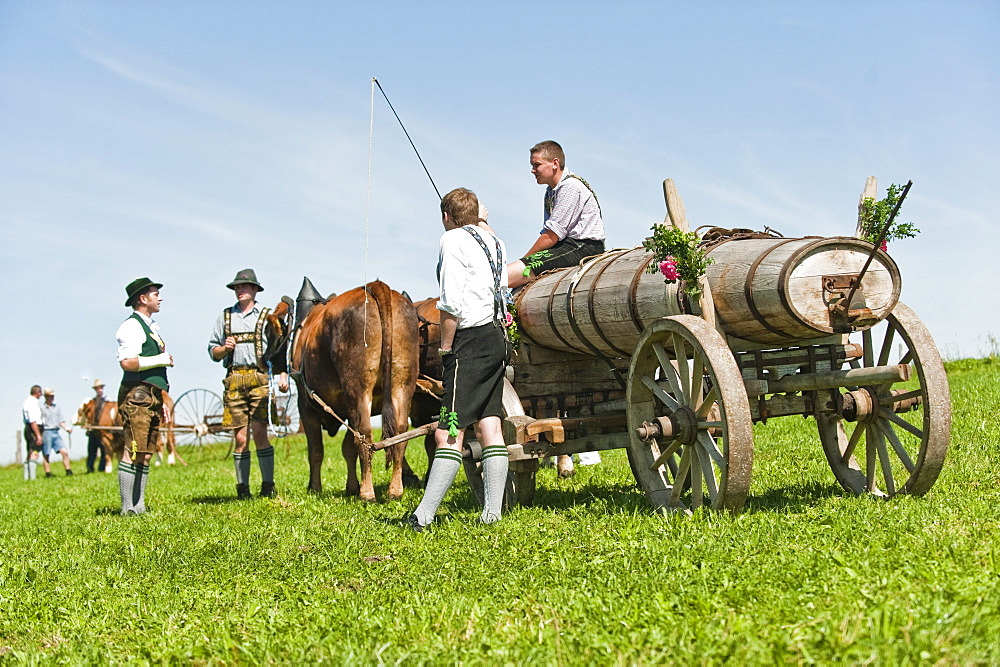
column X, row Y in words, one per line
column 870, row 192
column 677, row 217
column 403, row 437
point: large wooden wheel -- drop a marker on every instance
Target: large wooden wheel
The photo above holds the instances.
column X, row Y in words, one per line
column 899, row 435
column 689, row 421
column 285, row 412
column 197, row 418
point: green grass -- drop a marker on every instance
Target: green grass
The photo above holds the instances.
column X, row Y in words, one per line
column 588, row 575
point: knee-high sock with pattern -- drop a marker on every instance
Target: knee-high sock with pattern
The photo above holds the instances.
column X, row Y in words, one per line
column 494, row 482
column 443, row 470
column 139, row 489
column 126, row 484
column 242, row 462
column 265, row 459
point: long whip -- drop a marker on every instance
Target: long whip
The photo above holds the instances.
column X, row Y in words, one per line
column 407, row 136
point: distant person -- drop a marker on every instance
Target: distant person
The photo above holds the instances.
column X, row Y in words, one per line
column 31, row 415
column 475, row 353
column 239, row 340
column 52, row 441
column 572, row 227
column 95, row 446
column 143, row 357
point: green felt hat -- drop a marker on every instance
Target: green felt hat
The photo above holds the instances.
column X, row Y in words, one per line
column 245, row 277
column 137, row 286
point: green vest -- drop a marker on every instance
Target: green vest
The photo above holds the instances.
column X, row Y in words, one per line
column 150, row 348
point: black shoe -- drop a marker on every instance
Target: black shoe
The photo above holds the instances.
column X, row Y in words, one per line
column 267, row 490
column 415, row 524
column 68, row 472
column 243, row 492
column 48, row 474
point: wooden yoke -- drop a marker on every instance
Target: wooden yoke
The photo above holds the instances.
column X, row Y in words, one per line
column 677, row 217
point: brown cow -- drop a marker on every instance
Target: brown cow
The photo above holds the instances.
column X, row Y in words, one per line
column 111, row 438
column 426, row 406
column 359, row 359
column 110, row 432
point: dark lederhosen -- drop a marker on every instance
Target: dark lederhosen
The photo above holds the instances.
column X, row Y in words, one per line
column 140, row 398
column 246, row 390
column 568, row 252
column 474, row 372
column 33, row 443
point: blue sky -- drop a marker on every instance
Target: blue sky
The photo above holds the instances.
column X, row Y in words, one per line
column 188, row 140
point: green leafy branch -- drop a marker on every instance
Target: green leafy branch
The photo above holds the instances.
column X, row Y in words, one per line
column 677, row 256
column 875, row 214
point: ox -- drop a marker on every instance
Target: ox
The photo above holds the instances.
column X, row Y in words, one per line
column 357, row 354
column 110, row 423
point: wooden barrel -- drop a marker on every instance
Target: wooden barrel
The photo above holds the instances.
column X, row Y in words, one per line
column 601, row 307
column 770, row 290
column 777, row 290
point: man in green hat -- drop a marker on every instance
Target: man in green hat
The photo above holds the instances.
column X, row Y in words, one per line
column 239, row 340
column 143, row 357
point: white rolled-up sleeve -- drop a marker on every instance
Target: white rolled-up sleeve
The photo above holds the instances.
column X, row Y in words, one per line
column 453, row 277
column 130, row 339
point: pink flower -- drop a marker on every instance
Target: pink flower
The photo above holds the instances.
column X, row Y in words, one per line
column 884, row 247
column 668, row 268
column 510, row 319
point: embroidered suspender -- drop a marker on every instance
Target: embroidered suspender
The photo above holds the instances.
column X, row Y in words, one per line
column 255, row 337
column 550, row 196
column 499, row 306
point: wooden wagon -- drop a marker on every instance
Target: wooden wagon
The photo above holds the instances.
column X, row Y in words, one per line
column 613, row 357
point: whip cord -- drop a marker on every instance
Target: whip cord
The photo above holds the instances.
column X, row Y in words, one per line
column 368, row 203
column 376, row 83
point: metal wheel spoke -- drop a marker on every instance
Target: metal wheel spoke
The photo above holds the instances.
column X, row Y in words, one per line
column 897, row 446
column 660, row 393
column 869, row 458
column 666, row 454
column 696, row 478
column 708, row 443
column 706, row 406
column 907, row 358
column 883, row 455
column 708, row 472
column 908, row 395
column 902, row 423
column 869, row 357
column 883, row 355
column 697, row 378
column 859, row 429
column 682, row 365
column 669, row 372
column 682, row 472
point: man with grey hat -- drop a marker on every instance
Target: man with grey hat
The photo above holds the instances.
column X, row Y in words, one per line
column 143, row 356
column 52, row 423
column 240, row 340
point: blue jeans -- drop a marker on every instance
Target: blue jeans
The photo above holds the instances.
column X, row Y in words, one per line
column 51, row 441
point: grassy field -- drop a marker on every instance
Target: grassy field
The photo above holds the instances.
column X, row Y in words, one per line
column 588, row 575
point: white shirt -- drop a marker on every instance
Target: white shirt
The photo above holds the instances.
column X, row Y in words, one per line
column 466, row 279
column 31, row 411
column 131, row 336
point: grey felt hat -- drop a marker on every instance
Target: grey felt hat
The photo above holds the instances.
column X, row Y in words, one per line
column 245, row 277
